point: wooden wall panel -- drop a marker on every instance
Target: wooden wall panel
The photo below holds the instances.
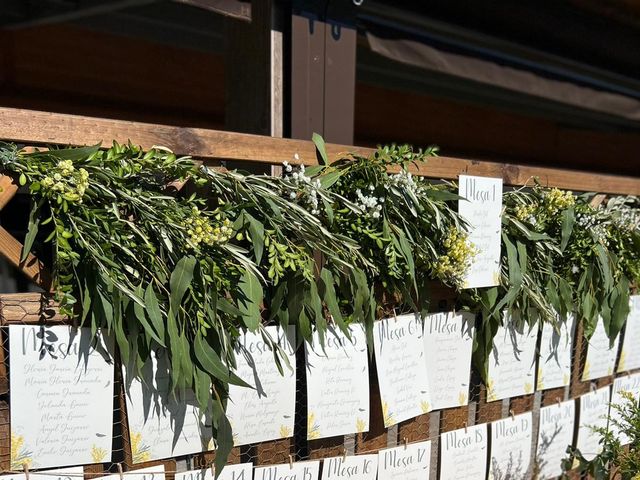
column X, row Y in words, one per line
column 385, row 115
column 71, row 69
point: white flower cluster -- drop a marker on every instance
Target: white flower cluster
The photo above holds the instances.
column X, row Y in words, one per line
column 404, row 180
column 303, row 183
column 598, row 230
column 370, row 205
column 627, row 219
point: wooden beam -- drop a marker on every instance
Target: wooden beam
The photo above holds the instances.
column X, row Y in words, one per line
column 8, row 190
column 34, row 127
column 32, row 268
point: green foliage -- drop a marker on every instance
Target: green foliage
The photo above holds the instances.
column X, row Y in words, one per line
column 407, row 229
column 614, row 459
column 560, row 256
column 343, row 242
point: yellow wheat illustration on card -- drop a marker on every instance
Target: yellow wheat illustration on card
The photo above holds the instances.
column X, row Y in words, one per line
column 387, row 415
column 528, row 387
column 622, row 361
column 496, row 278
column 586, row 371
column 361, row 425
column 425, row 407
column 462, row 398
column 540, row 383
column 313, row 429
column 20, row 456
column 565, row 379
column 98, row 454
column 285, row 432
column 139, row 450
column 491, row 390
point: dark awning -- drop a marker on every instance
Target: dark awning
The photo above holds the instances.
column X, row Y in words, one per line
column 425, row 56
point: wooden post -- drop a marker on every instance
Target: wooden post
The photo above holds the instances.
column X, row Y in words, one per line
column 322, row 76
column 253, row 75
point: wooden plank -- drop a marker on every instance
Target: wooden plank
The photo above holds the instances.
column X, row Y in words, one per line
column 4, row 376
column 32, row 268
column 29, row 308
column 5, row 437
column 8, row 190
column 33, row 127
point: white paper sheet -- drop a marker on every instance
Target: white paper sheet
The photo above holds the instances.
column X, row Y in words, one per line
column 399, row 351
column 268, row 412
column 481, row 208
column 61, row 396
column 448, row 341
column 337, row 384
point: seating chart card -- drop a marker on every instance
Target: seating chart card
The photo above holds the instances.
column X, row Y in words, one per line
column 399, row 351
column 481, row 207
column 268, row 411
column 162, row 424
column 61, row 396
column 511, row 440
column 554, row 364
column 295, row 471
column 594, row 410
column 631, row 385
column 601, row 354
column 337, row 384
column 448, row 341
column 241, row 471
column 630, row 353
column 463, row 453
column 554, row 435
column 408, row 462
column 512, row 362
column 351, row 467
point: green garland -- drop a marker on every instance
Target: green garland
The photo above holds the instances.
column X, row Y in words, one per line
column 343, row 242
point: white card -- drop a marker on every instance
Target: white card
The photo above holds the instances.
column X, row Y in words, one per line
column 399, row 350
column 511, row 447
column 62, row 396
column 554, row 435
column 337, row 384
column 268, row 411
column 630, row 384
column 594, row 409
column 448, row 341
column 242, row 471
column 68, row 473
column 162, row 424
column 481, row 208
column 463, row 453
column 630, row 354
column 410, row 462
column 512, row 363
column 295, row 471
column 351, row 467
column 601, row 355
column 554, row 365
column 149, row 473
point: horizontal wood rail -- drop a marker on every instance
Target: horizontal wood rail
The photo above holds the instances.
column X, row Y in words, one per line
column 211, row 146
